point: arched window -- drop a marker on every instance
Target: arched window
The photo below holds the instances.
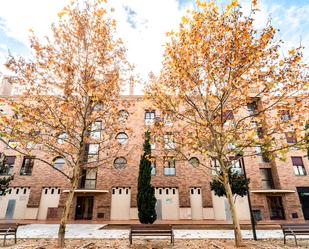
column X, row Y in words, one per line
column 194, row 161
column 120, row 163
column 123, row 115
column 61, row 138
column 122, row 137
column 58, row 162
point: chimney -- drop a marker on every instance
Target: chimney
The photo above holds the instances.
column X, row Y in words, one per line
column 131, row 86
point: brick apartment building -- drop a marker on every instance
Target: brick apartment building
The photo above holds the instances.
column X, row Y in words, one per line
column 279, row 190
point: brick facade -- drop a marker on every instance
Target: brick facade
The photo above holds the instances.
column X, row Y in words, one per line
column 285, row 181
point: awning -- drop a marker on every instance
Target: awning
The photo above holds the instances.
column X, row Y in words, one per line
column 85, row 191
column 273, row 191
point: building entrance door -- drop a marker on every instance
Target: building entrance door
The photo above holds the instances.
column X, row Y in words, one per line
column 10, row 209
column 303, row 194
column 84, row 208
column 159, row 209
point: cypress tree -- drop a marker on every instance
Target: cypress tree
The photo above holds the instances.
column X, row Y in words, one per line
column 146, row 200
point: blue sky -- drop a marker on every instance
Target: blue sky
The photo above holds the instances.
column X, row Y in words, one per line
column 142, row 25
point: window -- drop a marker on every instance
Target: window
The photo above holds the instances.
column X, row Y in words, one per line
column 194, row 162
column 258, row 128
column 216, row 166
column 228, row 116
column 61, row 138
column 153, row 167
column 26, row 169
column 285, row 115
column 92, row 151
column 169, row 141
column 275, row 206
column 89, row 178
column 168, row 120
column 12, row 144
column 122, row 137
column 236, row 165
column 8, row 165
column 98, row 106
column 153, row 143
column 120, row 163
column 298, row 166
column 30, row 145
column 290, row 137
column 252, row 108
column 149, row 117
column 59, row 162
column 96, row 128
column 123, row 115
column 169, row 166
column 267, row 179
column 264, row 154
column 265, row 157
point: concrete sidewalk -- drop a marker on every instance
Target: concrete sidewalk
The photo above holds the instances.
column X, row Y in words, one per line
column 93, row 231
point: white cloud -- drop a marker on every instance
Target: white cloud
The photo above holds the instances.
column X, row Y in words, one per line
column 151, row 19
column 145, row 42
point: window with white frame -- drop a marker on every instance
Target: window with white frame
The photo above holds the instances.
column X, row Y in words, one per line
column 27, row 166
column 120, row 163
column 285, row 115
column 96, row 129
column 8, row 165
column 252, row 107
column 61, row 138
column 150, row 117
column 169, row 166
column 194, row 162
column 123, row 115
column 153, row 167
column 169, row 143
column 12, row 144
column 215, row 166
column 122, row 137
column 92, row 152
column 153, row 143
column 298, row 165
column 290, row 137
column 58, row 162
column 90, row 178
column 168, row 120
column 236, row 165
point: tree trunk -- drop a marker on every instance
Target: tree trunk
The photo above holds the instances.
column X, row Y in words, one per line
column 66, row 209
column 236, row 225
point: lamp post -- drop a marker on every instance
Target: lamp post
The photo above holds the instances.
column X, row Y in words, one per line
column 249, row 203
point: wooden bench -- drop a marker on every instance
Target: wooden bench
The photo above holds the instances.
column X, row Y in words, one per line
column 294, row 229
column 8, row 229
column 151, row 230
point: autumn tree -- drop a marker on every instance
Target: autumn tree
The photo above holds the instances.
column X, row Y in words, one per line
column 230, row 91
column 146, row 200
column 68, row 95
